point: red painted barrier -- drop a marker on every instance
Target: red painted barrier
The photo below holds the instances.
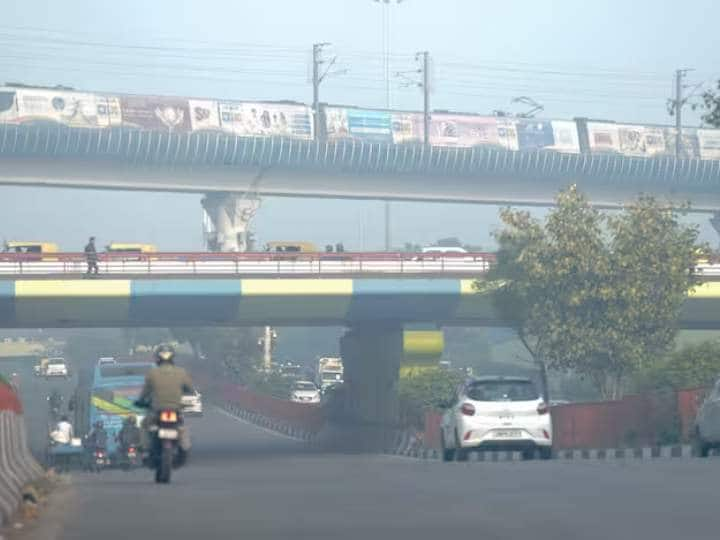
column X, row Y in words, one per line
column 309, row 417
column 634, row 421
column 9, row 400
column 688, row 403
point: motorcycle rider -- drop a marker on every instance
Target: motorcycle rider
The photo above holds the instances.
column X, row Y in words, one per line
column 163, row 390
column 63, row 432
column 96, row 440
column 55, row 401
column 129, row 434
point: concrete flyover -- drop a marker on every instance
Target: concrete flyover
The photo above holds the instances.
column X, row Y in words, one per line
column 151, row 300
column 123, row 158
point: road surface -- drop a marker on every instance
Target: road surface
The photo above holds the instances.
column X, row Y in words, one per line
column 244, row 482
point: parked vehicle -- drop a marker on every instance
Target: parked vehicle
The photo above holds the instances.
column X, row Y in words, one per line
column 497, row 413
column 707, row 423
column 305, row 392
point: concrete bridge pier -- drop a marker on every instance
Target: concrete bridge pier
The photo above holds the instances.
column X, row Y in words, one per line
column 227, row 222
column 372, row 357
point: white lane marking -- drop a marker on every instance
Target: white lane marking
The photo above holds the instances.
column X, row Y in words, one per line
column 261, row 428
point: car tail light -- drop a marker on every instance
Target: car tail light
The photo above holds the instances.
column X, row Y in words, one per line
column 542, row 408
column 168, row 416
column 468, row 409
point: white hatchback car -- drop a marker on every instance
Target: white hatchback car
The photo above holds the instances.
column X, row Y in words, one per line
column 305, row 392
column 497, row 413
column 707, row 423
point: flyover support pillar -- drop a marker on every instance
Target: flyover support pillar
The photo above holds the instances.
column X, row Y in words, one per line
column 372, row 356
column 227, row 220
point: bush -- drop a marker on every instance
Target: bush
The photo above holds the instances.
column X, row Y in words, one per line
column 425, row 390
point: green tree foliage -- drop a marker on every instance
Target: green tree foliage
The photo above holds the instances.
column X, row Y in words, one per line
column 691, row 366
column 234, row 349
column 711, row 106
column 428, row 389
column 595, row 294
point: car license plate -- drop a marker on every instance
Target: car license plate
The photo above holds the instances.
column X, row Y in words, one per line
column 167, row 433
column 508, row 434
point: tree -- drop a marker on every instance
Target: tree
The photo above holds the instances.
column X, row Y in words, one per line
column 711, row 105
column 428, row 389
column 594, row 294
column 693, row 365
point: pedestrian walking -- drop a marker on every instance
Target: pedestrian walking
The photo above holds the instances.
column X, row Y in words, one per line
column 92, row 257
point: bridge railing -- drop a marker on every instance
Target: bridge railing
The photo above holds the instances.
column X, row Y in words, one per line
column 255, row 263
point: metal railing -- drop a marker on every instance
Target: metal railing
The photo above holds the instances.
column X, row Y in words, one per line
column 248, row 264
column 135, row 147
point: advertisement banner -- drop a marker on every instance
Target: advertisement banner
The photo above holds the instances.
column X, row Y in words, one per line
column 204, row 115
column 641, row 141
column 74, row 109
column 344, row 123
column 463, row 130
column 565, row 137
column 709, row 143
column 690, row 144
column 156, row 113
column 8, row 108
column 248, row 119
column 603, row 138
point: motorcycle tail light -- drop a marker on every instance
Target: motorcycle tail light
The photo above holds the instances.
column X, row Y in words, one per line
column 168, row 416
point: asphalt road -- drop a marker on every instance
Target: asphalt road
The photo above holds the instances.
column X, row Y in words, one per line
column 34, row 392
column 244, row 482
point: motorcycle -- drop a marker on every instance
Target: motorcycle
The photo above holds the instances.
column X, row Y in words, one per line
column 165, row 449
column 100, row 460
column 130, row 458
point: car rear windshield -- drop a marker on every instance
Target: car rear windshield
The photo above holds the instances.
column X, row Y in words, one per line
column 502, row 391
column 304, row 386
column 118, row 370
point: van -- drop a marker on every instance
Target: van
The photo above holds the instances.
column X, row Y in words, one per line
column 133, row 251
column 34, row 250
column 291, row 247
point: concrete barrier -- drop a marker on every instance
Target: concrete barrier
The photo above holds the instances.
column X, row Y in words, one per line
column 17, row 466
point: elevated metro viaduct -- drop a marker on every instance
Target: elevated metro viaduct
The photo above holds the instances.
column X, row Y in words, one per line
column 233, row 171
column 376, row 311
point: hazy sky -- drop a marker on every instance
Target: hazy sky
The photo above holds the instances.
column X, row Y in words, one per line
column 611, row 59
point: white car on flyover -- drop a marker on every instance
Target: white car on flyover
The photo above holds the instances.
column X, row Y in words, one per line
column 192, row 404
column 305, row 392
column 496, row 413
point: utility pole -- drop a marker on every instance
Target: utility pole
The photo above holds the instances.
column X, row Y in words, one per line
column 318, row 78
column 679, row 74
column 267, row 349
column 426, row 97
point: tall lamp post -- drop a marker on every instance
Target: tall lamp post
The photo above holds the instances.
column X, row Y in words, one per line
column 386, row 47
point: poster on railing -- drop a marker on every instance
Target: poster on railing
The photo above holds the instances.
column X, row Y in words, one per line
column 603, row 138
column 556, row 135
column 343, row 123
column 156, row 113
column 709, row 143
column 252, row 119
column 204, row 115
column 463, row 130
column 8, row 107
column 690, row 148
column 74, row 109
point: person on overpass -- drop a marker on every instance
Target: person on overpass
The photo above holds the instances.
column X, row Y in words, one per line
column 63, row 432
column 163, row 390
column 92, row 257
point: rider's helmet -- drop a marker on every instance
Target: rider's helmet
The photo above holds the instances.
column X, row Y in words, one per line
column 99, row 424
column 131, row 420
column 164, row 354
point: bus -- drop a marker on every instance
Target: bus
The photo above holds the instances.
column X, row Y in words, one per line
column 115, row 388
